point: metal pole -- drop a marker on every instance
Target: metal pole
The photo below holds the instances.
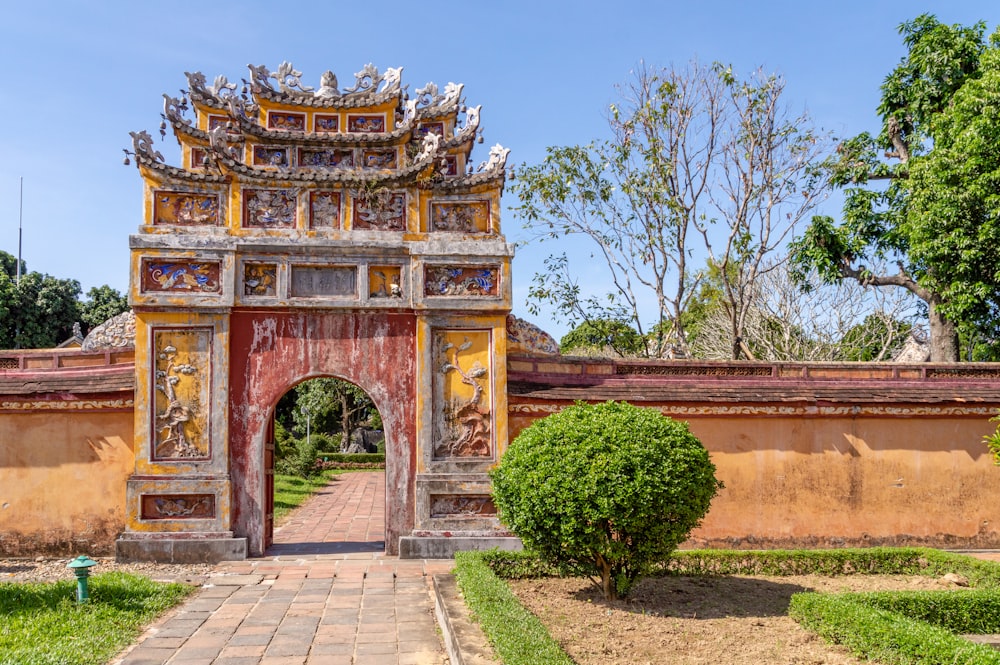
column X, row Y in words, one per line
column 20, row 214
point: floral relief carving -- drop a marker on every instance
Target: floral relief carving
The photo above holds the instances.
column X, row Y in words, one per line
column 181, row 393
column 269, row 208
column 463, row 415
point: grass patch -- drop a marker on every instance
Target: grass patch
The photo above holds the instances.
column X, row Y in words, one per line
column 517, row 636
column 42, row 624
column 899, row 627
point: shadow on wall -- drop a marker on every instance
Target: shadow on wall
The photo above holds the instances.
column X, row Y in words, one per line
column 66, row 439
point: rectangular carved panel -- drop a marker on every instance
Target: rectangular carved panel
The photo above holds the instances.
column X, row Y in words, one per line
column 431, row 128
column 268, row 208
column 318, row 281
column 182, row 378
column 382, row 210
column 177, row 506
column 286, row 121
column 460, row 216
column 384, row 282
column 462, row 505
column 324, row 210
column 462, row 394
column 181, row 276
column 462, row 281
column 260, row 279
column 378, row 158
column 365, row 124
column 267, row 156
column 326, row 158
column 323, row 122
column 185, row 208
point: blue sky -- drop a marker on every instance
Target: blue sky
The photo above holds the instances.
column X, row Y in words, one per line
column 80, row 75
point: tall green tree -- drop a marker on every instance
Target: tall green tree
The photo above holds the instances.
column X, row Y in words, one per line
column 37, row 313
column 924, row 194
column 102, row 303
column 698, row 161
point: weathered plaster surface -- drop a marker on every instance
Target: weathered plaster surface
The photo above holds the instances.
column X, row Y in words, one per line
column 273, row 351
column 62, row 480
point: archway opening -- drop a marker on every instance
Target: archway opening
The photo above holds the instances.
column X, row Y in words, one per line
column 326, row 439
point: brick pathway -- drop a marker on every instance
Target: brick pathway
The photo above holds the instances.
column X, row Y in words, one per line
column 325, row 594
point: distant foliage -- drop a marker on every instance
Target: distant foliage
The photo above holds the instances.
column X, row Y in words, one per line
column 39, row 312
column 606, row 490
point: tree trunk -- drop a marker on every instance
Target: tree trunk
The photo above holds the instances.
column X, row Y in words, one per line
column 944, row 335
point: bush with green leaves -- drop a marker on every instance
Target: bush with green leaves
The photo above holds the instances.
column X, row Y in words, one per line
column 607, row 490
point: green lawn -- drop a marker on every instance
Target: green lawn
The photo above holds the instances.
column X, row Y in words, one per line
column 42, row 624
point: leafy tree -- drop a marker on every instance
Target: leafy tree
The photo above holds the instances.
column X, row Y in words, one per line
column 924, row 195
column 8, row 265
column 37, row 313
column 603, row 336
column 102, row 303
column 606, row 490
column 694, row 153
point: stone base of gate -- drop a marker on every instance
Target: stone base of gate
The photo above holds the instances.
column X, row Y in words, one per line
column 177, row 548
column 444, row 545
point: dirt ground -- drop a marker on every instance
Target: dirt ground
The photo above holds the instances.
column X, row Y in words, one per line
column 692, row 620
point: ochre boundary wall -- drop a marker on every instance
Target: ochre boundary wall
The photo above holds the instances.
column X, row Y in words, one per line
column 65, row 450
column 812, row 455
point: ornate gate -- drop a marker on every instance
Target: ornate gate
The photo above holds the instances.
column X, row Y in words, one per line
column 315, row 232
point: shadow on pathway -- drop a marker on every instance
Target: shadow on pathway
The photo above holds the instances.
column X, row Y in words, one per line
column 324, row 593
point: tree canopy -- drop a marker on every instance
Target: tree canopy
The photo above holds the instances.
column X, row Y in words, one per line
column 698, row 161
column 923, row 195
column 39, row 312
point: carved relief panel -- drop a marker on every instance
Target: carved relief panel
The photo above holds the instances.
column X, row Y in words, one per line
column 181, row 393
column 185, row 208
column 324, row 210
column 460, row 216
column 384, row 282
column 177, row 506
column 160, row 275
column 462, row 394
column 462, row 281
column 260, row 279
column 381, row 210
column 269, row 208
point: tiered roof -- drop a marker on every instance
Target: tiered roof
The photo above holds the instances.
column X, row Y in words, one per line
column 274, row 128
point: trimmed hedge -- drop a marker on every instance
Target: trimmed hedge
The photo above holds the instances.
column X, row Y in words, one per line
column 883, row 635
column 863, row 561
column 901, row 628
column 352, row 461
column 517, row 636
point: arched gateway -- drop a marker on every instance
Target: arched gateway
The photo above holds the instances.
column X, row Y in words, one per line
column 315, row 232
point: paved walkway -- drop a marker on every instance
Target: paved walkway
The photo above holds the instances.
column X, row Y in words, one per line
column 324, row 594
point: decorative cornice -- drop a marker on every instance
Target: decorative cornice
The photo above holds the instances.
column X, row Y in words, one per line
column 421, row 168
column 68, row 405
column 786, row 410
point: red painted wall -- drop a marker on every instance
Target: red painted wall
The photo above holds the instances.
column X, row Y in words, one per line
column 273, row 351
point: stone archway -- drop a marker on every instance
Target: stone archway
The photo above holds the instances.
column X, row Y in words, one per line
column 269, row 352
column 314, row 232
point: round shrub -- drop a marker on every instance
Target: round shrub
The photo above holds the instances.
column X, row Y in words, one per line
column 604, row 489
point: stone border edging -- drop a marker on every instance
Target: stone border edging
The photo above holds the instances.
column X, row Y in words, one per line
column 464, row 640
